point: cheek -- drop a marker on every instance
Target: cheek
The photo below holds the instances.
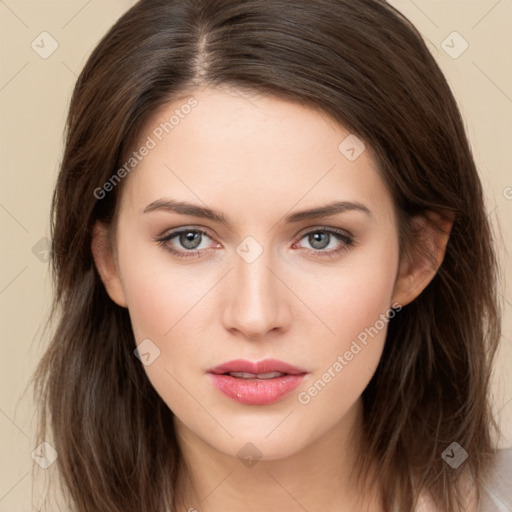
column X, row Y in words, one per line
column 353, row 296
column 159, row 292
column 162, row 300
column 166, row 303
column 356, row 305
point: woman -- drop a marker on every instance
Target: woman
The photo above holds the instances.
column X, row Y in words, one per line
column 274, row 269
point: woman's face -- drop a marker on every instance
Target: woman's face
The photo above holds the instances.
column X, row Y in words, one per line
column 253, row 229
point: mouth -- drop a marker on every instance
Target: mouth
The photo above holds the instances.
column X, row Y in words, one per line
column 261, row 383
column 259, row 368
column 263, row 376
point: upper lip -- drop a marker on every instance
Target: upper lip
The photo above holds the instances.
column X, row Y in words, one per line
column 265, row 366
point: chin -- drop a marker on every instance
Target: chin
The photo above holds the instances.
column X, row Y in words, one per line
column 260, row 444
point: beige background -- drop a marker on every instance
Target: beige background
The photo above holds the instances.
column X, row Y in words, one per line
column 34, row 95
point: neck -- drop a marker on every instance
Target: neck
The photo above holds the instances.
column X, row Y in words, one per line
column 318, row 477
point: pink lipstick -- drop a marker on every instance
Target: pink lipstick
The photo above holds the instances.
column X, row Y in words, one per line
column 256, row 383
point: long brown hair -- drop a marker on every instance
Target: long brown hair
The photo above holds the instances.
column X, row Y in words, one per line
column 366, row 66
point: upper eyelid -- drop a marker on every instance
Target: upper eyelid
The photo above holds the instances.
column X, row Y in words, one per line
column 177, row 231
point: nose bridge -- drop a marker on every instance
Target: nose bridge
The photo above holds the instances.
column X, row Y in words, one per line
column 256, row 301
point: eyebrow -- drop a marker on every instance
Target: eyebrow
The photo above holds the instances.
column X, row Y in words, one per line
column 185, row 208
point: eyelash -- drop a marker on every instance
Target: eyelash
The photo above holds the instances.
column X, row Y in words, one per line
column 346, row 239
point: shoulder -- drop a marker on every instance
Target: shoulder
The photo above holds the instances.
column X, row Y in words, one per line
column 496, row 489
column 497, row 486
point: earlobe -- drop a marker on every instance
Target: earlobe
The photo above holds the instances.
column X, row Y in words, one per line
column 105, row 262
column 420, row 265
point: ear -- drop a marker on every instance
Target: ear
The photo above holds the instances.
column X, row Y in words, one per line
column 421, row 262
column 106, row 264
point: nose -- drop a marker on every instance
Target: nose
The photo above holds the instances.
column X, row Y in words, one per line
column 257, row 303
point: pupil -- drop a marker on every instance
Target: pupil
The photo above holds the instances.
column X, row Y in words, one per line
column 190, row 239
column 319, row 240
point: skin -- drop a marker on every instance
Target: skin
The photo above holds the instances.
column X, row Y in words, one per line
column 257, row 160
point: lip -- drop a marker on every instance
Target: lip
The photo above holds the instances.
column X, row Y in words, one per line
column 256, row 391
column 265, row 366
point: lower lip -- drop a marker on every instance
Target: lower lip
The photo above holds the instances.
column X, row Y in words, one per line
column 256, row 391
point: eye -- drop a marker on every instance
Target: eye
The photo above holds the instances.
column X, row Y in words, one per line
column 186, row 242
column 326, row 241
column 192, row 242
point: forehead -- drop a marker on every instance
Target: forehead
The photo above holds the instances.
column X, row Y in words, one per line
column 246, row 152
